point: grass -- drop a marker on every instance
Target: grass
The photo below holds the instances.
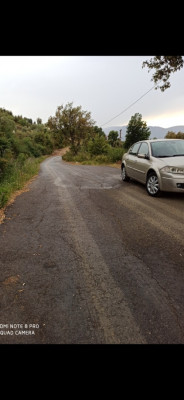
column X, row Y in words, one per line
column 17, row 176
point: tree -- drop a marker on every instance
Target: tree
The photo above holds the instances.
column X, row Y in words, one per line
column 97, row 130
column 98, row 145
column 136, row 130
column 112, row 138
column 170, row 135
column 163, row 66
column 173, row 135
column 72, row 123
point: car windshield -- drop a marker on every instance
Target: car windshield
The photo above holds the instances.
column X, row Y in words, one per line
column 168, row 148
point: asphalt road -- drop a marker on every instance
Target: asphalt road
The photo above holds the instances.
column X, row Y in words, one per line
column 88, row 259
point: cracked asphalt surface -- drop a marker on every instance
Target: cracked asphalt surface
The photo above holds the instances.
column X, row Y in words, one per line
column 88, row 259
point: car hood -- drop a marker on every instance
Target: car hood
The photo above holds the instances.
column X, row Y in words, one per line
column 173, row 161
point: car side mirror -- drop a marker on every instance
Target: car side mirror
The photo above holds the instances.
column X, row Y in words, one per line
column 143, row 156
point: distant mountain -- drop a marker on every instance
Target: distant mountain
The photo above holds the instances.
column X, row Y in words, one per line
column 156, row 131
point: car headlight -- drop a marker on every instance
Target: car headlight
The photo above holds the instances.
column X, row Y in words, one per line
column 173, row 170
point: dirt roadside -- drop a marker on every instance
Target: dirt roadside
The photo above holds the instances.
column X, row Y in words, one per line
column 14, row 196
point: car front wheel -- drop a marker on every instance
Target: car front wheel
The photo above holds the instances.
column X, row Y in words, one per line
column 124, row 176
column 152, row 185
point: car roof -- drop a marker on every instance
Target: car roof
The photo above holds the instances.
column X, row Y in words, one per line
column 157, row 140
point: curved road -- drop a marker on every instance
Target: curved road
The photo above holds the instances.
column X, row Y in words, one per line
column 88, row 259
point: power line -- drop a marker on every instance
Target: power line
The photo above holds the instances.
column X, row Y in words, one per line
column 130, row 105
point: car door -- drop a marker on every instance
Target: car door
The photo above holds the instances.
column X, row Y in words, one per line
column 143, row 160
column 131, row 161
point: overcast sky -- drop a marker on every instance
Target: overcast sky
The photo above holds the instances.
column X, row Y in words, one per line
column 34, row 86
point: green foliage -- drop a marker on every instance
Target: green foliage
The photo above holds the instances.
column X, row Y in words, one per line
column 22, row 143
column 111, row 155
column 98, row 131
column 163, row 66
column 72, row 124
column 136, row 130
column 3, row 165
column 17, row 146
column 113, row 139
column 7, row 125
column 5, row 112
column 4, row 144
column 16, row 177
column 45, row 140
column 80, row 157
column 101, row 159
column 173, row 135
column 22, row 158
column 23, row 121
column 98, row 145
column 115, row 154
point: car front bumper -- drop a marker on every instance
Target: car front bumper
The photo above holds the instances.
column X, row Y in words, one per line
column 172, row 183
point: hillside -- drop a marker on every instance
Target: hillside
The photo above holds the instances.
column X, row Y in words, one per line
column 156, row 131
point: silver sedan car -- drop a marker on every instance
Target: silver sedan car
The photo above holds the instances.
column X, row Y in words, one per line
column 157, row 163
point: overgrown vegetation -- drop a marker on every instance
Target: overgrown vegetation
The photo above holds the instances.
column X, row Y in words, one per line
column 23, row 145
column 110, row 156
column 16, row 175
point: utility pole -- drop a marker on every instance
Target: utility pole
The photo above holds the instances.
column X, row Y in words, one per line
column 120, row 133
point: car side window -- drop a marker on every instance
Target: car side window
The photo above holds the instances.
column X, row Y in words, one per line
column 134, row 149
column 143, row 149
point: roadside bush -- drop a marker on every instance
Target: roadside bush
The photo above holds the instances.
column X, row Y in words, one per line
column 80, row 157
column 6, row 167
column 101, row 159
column 115, row 154
column 3, row 165
column 33, row 149
column 111, row 155
column 68, row 156
column 22, row 158
column 18, row 146
column 4, row 144
column 39, row 150
column 98, row 145
column 18, row 174
column 8, row 154
column 44, row 139
column 4, row 196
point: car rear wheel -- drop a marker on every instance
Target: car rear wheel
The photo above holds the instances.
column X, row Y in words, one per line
column 124, row 176
column 152, row 185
